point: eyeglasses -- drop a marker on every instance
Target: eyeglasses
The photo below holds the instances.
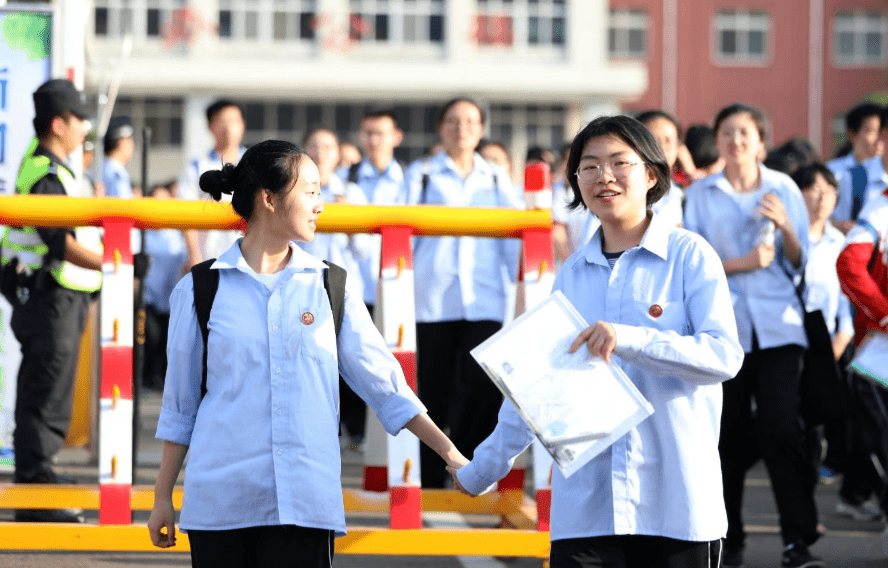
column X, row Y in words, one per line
column 589, row 173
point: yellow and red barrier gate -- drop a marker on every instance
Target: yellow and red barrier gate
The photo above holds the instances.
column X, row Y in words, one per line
column 115, row 498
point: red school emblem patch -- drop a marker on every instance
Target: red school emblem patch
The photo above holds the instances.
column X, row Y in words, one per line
column 308, row 318
column 656, row 311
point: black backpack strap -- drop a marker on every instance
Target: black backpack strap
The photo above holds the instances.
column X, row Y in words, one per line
column 334, row 285
column 353, row 173
column 426, row 170
column 206, row 283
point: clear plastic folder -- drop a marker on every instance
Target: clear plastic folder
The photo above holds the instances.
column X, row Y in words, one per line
column 576, row 404
column 871, row 359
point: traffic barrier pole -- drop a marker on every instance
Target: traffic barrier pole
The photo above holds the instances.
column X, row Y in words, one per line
column 116, row 391
column 396, row 319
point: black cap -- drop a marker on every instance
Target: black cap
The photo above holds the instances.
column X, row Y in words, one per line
column 119, row 127
column 56, row 96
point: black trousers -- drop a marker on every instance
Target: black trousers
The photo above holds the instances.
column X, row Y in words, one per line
column 634, row 551
column 49, row 328
column 776, row 433
column 457, row 392
column 155, row 362
column 868, row 412
column 276, row 546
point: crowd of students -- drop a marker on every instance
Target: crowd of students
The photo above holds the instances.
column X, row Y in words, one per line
column 757, row 224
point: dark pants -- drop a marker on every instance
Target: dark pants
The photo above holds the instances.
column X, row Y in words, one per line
column 634, row 551
column 868, row 411
column 454, row 388
column 776, row 433
column 276, row 546
column 156, row 330
column 49, row 328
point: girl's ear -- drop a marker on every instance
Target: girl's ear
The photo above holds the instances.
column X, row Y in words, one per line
column 267, row 200
column 652, row 179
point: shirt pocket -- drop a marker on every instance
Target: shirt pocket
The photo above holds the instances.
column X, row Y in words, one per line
column 317, row 340
column 665, row 316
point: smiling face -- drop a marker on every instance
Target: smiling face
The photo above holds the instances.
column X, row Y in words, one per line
column 323, row 148
column 462, row 128
column 738, row 139
column 866, row 140
column 619, row 193
column 296, row 211
column 666, row 134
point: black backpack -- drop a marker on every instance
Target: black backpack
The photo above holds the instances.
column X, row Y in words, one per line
column 206, row 283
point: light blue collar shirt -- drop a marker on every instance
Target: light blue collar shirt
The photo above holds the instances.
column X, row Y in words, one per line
column 380, row 188
column 663, row 478
column 116, row 179
column 263, row 442
column 166, row 248
column 822, row 289
column 765, row 301
column 461, row 278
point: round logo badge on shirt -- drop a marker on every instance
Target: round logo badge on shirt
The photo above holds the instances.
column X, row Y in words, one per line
column 655, row 311
column 308, row 318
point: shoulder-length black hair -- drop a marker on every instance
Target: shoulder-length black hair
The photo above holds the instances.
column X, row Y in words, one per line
column 636, row 136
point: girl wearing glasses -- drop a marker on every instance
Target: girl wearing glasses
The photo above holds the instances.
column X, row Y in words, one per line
column 756, row 220
column 660, row 302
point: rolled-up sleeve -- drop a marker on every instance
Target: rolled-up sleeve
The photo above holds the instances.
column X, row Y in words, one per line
column 181, row 391
column 369, row 368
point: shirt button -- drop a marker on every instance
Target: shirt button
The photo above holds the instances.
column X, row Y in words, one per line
column 275, row 328
column 278, row 370
column 278, row 411
column 280, row 452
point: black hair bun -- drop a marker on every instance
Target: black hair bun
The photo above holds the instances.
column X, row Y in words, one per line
column 217, row 182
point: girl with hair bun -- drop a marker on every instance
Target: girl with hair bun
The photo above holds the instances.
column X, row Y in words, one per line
column 262, row 485
column 660, row 304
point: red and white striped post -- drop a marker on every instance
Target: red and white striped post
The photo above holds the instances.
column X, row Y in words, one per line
column 535, row 278
column 116, row 392
column 396, row 320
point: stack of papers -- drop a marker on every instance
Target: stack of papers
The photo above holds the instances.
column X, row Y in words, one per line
column 575, row 404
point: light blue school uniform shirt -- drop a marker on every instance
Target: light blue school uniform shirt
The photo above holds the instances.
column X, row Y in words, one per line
column 348, row 251
column 264, row 444
column 663, row 478
column 116, row 179
column 840, row 166
column 764, row 300
column 380, row 188
column 166, row 249
column 461, row 278
column 876, row 181
column 822, row 289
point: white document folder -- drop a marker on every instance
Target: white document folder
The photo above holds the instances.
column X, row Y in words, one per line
column 871, row 359
column 577, row 405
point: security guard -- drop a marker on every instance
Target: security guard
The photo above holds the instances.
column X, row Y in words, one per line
column 58, row 269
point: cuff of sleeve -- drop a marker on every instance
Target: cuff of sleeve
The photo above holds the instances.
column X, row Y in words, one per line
column 630, row 340
column 398, row 411
column 174, row 427
column 472, row 481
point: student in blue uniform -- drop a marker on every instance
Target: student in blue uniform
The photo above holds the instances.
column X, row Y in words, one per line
column 755, row 219
column 460, row 284
column 272, row 367
column 660, row 302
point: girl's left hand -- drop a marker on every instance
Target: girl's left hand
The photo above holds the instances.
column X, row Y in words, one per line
column 600, row 338
column 772, row 207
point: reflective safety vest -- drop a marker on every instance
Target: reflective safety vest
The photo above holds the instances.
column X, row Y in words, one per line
column 25, row 244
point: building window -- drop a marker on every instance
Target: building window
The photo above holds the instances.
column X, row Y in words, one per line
column 163, row 116
column 742, row 36
column 520, row 22
column 627, row 34
column 539, row 125
column 396, row 22
column 144, row 19
column 859, row 38
column 268, row 20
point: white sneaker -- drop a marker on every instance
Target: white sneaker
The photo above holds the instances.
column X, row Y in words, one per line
column 866, row 511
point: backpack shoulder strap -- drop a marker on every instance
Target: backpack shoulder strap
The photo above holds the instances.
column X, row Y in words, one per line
column 353, row 172
column 334, row 285
column 206, row 283
column 426, row 171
